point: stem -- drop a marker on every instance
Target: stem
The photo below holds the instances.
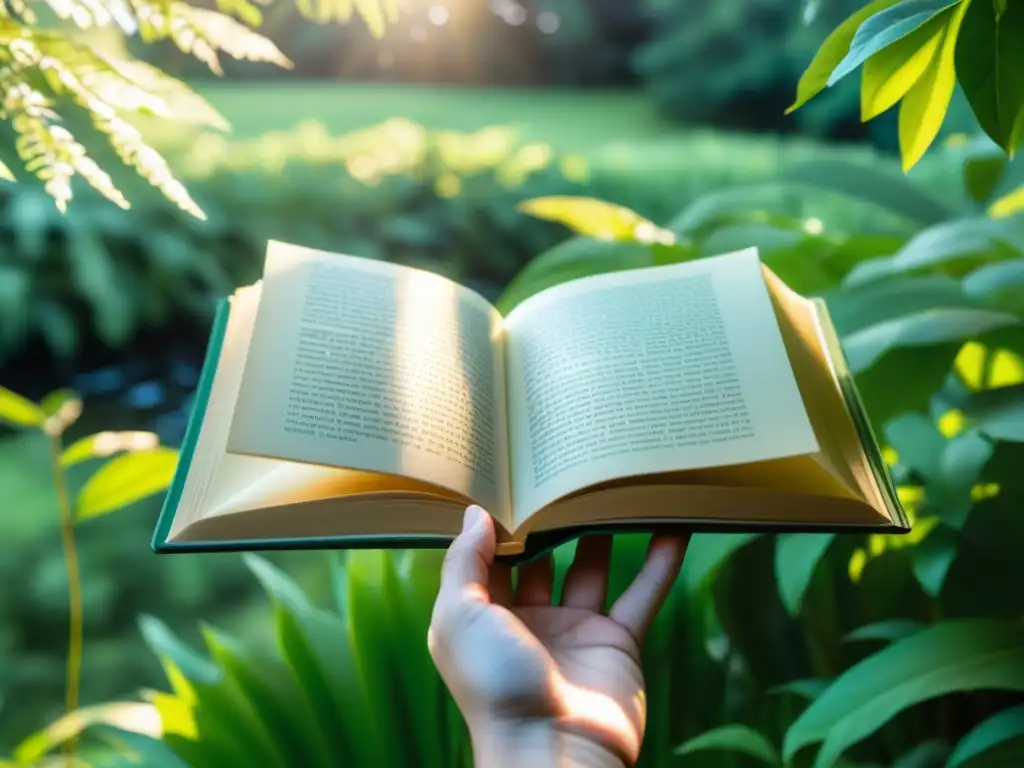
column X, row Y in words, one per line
column 75, row 622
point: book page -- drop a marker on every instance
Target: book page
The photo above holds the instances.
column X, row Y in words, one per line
column 646, row 371
column 367, row 365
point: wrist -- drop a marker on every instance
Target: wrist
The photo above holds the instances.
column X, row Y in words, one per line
column 539, row 744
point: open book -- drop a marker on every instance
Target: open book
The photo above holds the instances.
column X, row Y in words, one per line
column 347, row 402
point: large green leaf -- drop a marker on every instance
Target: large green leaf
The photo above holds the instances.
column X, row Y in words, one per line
column 796, row 557
column 952, row 656
column 856, row 307
column 732, row 738
column 19, row 411
column 806, row 688
column 578, row 257
column 832, row 51
column 931, row 327
column 275, row 696
column 924, row 108
column 961, row 465
column 1001, row 728
column 999, row 285
column 892, row 71
column 918, row 442
column 951, row 245
column 921, row 371
column 126, row 479
column 886, row 631
column 999, row 413
column 990, row 68
column 933, row 558
column 873, row 185
column 706, row 553
column 885, row 28
column 317, row 647
column 222, row 727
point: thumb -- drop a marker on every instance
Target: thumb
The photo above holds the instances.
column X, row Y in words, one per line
column 468, row 560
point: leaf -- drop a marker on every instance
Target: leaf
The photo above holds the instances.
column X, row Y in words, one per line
column 960, row 468
column 125, row 480
column 892, row 71
column 808, row 688
column 20, row 411
column 832, row 51
column 796, row 557
column 999, row 412
column 873, row 185
column 990, row 68
column 984, row 164
column 1008, row 205
column 926, row 328
column 999, row 285
column 578, row 257
column 1000, row 728
column 928, row 754
column 924, row 107
column 598, row 219
column 932, row 559
column 888, row 631
column 707, row 552
column 885, row 28
column 964, row 655
column 918, row 442
column 944, row 245
column 166, row 645
column 734, row 738
column 129, row 715
column 104, row 444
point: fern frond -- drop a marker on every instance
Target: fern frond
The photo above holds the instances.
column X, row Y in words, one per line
column 204, row 33
column 242, row 10
column 49, row 150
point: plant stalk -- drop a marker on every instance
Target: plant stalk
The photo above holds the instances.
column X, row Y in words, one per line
column 75, row 619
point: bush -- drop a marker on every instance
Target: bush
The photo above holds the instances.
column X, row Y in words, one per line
column 440, row 200
column 894, row 649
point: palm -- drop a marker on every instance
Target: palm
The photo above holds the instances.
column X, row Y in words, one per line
column 591, row 651
column 511, row 655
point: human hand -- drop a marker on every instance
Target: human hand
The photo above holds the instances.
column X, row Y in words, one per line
column 544, row 685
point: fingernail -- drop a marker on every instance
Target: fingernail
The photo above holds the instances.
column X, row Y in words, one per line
column 473, row 518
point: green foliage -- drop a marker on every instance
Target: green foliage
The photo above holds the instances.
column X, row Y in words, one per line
column 915, row 52
column 141, row 470
column 48, row 72
column 735, row 62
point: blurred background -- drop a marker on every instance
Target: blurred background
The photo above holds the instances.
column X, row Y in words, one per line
column 414, row 149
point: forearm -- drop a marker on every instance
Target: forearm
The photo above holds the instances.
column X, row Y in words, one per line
column 538, row 745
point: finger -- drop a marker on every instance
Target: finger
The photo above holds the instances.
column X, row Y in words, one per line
column 586, row 583
column 500, row 584
column 467, row 562
column 640, row 603
column 535, row 579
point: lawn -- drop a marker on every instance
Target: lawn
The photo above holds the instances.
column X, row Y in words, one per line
column 574, row 120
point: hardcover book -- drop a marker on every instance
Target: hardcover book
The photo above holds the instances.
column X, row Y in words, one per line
column 347, row 402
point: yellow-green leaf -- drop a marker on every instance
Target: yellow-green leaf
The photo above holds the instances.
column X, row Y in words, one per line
column 126, row 715
column 373, row 15
column 104, row 444
column 125, row 480
column 833, row 51
column 62, row 408
column 6, row 173
column 1009, row 204
column 894, row 70
column 20, row 411
column 924, row 107
column 597, row 219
